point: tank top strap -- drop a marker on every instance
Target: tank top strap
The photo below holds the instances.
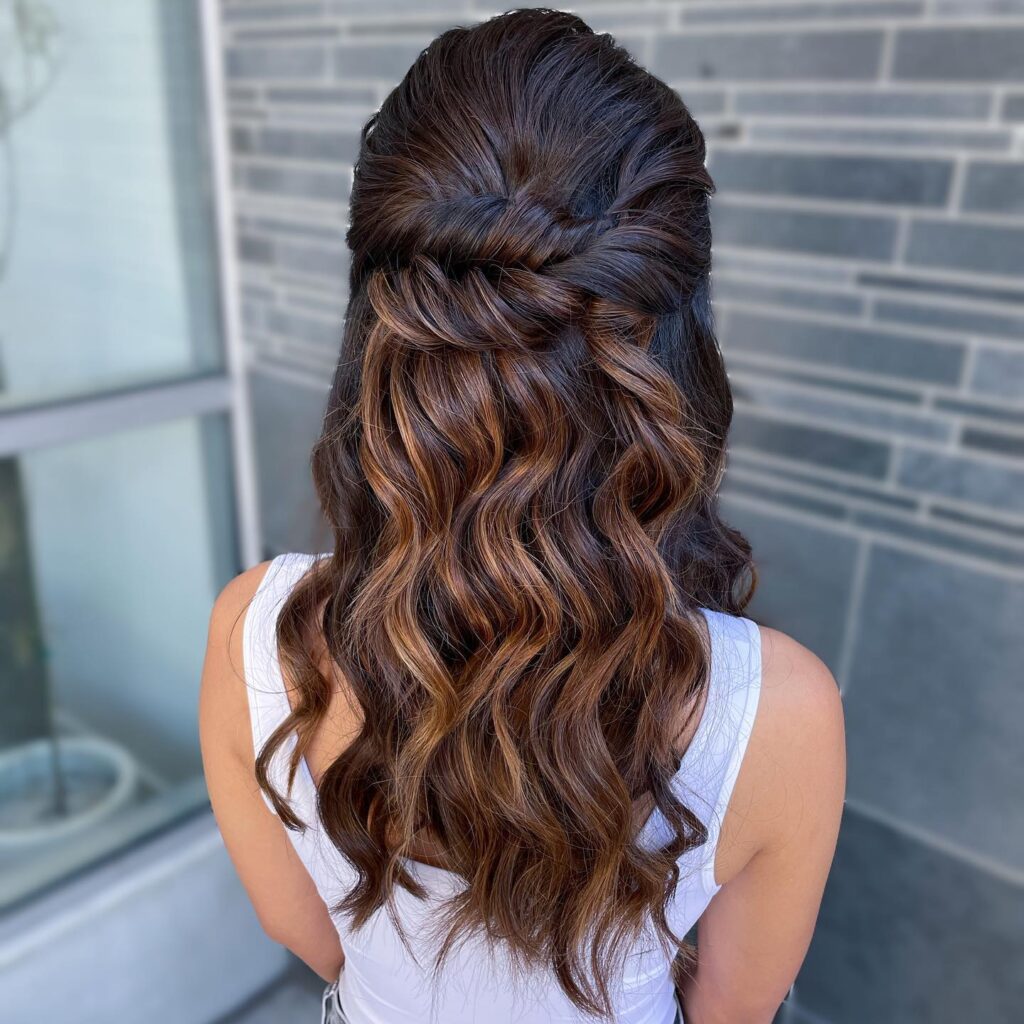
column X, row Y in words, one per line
column 711, row 764
column 736, row 688
column 264, row 681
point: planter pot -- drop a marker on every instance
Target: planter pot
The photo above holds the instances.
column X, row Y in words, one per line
column 99, row 776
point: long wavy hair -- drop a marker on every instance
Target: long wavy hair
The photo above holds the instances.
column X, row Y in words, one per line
column 519, row 462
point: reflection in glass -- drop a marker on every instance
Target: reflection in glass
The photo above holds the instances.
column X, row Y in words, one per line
column 111, row 553
column 107, row 259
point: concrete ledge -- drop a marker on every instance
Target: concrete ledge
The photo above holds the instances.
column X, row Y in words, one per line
column 163, row 934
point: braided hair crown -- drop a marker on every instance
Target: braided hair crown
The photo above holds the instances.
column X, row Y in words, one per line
column 508, row 238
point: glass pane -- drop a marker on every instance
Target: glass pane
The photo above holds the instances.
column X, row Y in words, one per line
column 107, row 261
column 111, row 553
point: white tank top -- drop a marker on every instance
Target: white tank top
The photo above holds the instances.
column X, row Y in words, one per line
column 380, row 983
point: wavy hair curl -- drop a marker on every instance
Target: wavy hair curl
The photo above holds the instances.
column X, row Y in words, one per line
column 519, row 462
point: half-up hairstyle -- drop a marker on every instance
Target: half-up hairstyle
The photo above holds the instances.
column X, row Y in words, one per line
column 519, row 462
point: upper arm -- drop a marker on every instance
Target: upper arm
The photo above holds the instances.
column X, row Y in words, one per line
column 785, row 814
column 283, row 894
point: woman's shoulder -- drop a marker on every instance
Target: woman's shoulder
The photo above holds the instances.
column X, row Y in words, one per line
column 798, row 690
column 223, row 703
column 795, row 763
column 230, row 648
column 799, row 730
column 237, row 595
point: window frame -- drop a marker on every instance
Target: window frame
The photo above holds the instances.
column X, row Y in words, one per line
column 125, row 408
column 51, row 423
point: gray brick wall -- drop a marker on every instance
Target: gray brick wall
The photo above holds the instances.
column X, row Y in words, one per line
column 869, row 289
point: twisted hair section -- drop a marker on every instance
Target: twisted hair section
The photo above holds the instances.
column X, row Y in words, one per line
column 519, row 462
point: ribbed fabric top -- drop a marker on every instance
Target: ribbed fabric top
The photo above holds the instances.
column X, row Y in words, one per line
column 380, row 983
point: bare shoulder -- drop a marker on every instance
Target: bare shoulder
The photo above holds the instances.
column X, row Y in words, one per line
column 223, row 704
column 232, row 602
column 777, row 842
column 793, row 775
column 798, row 742
column 799, row 694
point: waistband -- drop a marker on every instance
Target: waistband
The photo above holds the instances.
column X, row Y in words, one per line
column 332, row 1012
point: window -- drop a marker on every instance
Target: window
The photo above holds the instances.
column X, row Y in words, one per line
column 121, row 430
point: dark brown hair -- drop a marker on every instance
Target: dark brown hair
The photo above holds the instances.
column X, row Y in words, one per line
column 519, row 462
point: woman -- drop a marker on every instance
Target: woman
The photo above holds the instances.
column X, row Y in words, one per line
column 492, row 757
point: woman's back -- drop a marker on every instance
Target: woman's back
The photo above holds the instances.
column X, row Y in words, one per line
column 381, row 982
column 532, row 604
